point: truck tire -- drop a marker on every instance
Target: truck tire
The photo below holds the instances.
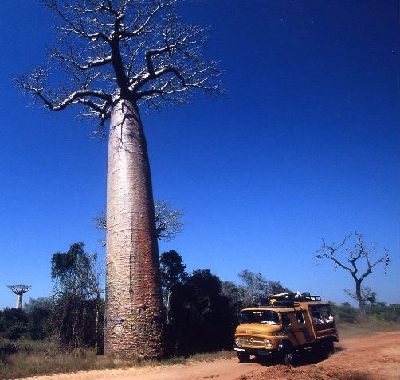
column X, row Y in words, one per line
column 289, row 358
column 323, row 350
column 330, row 348
column 287, row 353
column 243, row 357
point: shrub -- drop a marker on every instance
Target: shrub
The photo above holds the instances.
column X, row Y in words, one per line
column 345, row 313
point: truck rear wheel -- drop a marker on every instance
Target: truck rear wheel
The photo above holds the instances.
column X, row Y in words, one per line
column 243, row 357
column 330, row 348
column 323, row 350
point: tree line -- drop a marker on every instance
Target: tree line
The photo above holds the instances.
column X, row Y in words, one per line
column 200, row 310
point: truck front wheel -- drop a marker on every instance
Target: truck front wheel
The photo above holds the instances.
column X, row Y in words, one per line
column 289, row 358
column 243, row 357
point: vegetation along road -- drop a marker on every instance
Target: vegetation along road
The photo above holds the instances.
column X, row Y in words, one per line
column 370, row 357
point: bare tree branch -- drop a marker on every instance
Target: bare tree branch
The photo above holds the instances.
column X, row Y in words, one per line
column 133, row 49
column 167, row 221
column 71, row 58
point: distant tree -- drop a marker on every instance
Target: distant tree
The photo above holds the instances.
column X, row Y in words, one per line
column 357, row 259
column 368, row 295
column 382, row 311
column 76, row 295
column 168, row 221
column 345, row 313
column 173, row 273
column 33, row 322
column 112, row 57
column 236, row 295
column 257, row 288
column 13, row 324
column 39, row 312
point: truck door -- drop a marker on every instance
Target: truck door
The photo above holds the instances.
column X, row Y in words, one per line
column 300, row 329
column 295, row 328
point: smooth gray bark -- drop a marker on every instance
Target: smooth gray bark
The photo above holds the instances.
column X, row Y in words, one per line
column 133, row 325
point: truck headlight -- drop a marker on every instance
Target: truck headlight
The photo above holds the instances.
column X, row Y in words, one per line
column 268, row 343
column 237, row 341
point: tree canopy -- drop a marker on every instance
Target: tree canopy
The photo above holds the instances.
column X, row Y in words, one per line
column 111, row 49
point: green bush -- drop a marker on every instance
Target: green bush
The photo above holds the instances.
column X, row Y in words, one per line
column 345, row 313
column 32, row 323
column 13, row 323
column 388, row 313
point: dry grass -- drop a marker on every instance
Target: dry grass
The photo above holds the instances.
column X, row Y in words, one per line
column 205, row 357
column 367, row 327
column 24, row 364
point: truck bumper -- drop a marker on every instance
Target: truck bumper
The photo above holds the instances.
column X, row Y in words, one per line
column 254, row 351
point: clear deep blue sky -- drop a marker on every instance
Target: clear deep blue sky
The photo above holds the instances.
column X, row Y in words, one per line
column 304, row 145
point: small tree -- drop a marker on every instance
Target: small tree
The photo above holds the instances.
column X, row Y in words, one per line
column 13, row 323
column 76, row 294
column 356, row 259
column 172, row 274
column 39, row 313
column 257, row 288
column 168, row 221
column 236, row 295
column 201, row 319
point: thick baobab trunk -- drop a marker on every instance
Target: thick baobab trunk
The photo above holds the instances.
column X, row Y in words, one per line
column 133, row 326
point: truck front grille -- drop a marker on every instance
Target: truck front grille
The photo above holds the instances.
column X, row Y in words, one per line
column 250, row 341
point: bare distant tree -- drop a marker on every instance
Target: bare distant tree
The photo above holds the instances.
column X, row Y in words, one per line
column 357, row 260
column 168, row 221
column 112, row 57
column 256, row 288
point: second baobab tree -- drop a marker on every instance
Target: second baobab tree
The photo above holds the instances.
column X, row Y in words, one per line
column 113, row 57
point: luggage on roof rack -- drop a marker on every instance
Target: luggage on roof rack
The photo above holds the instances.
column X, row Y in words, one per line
column 288, row 298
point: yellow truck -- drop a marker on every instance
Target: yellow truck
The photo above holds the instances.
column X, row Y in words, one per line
column 288, row 327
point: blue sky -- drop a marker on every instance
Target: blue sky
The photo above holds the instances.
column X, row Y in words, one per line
column 304, row 145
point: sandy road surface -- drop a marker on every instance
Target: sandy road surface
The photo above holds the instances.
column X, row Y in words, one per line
column 376, row 357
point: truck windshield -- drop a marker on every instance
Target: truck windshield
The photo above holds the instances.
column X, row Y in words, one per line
column 259, row 316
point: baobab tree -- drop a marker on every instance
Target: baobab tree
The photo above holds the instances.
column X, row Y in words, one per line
column 19, row 290
column 112, row 58
column 357, row 260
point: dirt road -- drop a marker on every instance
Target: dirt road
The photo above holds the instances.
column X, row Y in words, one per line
column 375, row 357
